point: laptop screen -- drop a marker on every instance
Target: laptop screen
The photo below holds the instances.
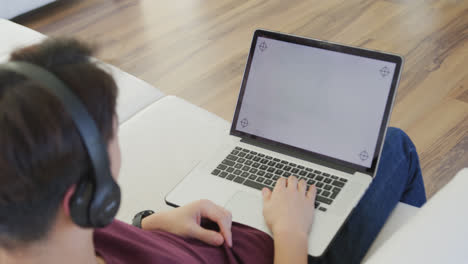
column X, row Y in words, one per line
column 319, row 100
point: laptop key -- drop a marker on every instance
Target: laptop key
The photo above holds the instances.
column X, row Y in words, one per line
column 260, row 179
column 316, row 204
column 222, row 167
column 239, row 179
column 245, row 168
column 234, row 152
column 319, row 178
column 261, row 155
column 250, row 156
column 292, row 164
column 230, row 169
column 264, row 161
column 245, row 150
column 284, row 162
column 303, row 173
column 334, row 177
column 286, row 174
column 327, row 187
column 338, row 183
column 232, row 157
column 311, row 182
column 263, row 167
column 323, row 209
column 237, row 172
column 260, row 173
column 276, row 159
column 336, row 189
column 287, row 168
column 230, row 176
column 268, row 182
column 279, row 172
column 242, row 154
column 228, row 162
column 241, row 160
column 279, row 166
column 271, row 169
column 295, row 170
column 248, row 162
column 245, row 174
column 253, row 152
column 325, row 174
column 325, row 193
column 333, row 195
column 256, row 165
column 300, row 167
column 252, row 177
column 319, row 184
column 255, row 185
column 275, row 178
column 238, row 166
column 343, row 180
column 269, row 175
column 268, row 157
column 238, row 148
column 253, row 170
column 323, row 199
column 271, row 163
column 215, row 172
column 309, row 169
column 310, row 175
column 327, row 180
column 223, row 174
column 256, row 158
column 317, row 171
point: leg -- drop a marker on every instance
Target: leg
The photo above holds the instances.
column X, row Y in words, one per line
column 398, row 179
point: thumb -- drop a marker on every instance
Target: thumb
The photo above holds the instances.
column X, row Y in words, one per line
column 208, row 236
column 266, row 194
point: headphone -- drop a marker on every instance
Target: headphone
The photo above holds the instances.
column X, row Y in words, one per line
column 96, row 199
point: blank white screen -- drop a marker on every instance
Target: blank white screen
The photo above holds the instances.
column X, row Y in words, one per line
column 318, row 100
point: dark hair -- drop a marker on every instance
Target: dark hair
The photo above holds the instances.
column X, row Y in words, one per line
column 41, row 152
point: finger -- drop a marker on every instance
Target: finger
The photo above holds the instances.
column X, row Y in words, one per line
column 208, row 236
column 220, row 216
column 280, row 184
column 312, row 192
column 266, row 193
column 292, row 183
column 302, row 186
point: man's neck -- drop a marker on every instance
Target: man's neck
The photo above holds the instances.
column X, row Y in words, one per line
column 74, row 245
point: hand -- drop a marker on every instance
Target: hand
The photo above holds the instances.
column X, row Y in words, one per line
column 290, row 207
column 185, row 221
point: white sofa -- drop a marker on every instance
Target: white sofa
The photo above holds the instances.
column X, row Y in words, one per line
column 163, row 137
column 12, row 8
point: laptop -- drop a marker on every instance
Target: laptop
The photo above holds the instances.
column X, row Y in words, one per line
column 309, row 108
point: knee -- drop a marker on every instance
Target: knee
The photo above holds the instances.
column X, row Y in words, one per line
column 398, row 138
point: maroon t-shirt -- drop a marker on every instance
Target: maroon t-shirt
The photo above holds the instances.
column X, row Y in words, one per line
column 123, row 243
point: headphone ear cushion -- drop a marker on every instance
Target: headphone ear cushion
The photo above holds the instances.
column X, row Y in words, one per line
column 80, row 203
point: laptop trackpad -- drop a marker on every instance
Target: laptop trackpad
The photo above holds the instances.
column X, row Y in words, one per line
column 247, row 209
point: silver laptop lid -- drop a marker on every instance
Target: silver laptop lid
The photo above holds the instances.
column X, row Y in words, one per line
column 329, row 101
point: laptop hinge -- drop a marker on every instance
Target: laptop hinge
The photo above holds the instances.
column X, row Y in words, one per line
column 297, row 154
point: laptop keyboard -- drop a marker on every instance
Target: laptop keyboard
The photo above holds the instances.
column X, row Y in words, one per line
column 258, row 170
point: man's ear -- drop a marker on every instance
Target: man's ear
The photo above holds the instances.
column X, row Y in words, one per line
column 66, row 199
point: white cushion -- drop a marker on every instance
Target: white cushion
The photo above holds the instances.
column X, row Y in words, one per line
column 438, row 233
column 16, row 36
column 160, row 145
column 12, row 8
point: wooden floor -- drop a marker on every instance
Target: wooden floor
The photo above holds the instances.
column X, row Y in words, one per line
column 197, row 50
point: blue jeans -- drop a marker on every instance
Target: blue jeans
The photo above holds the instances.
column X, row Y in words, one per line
column 398, row 179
